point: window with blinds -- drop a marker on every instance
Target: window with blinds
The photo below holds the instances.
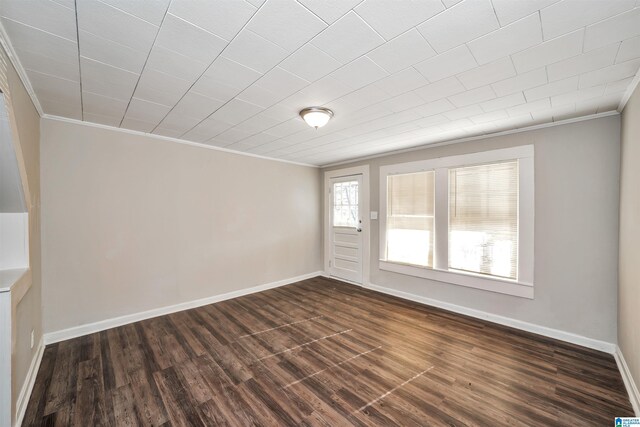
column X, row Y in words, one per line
column 483, row 219
column 410, row 218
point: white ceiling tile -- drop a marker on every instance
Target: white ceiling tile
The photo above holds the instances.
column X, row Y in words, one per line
column 25, row 38
column 317, row 93
column 71, row 4
column 236, row 111
column 330, row 10
column 441, row 89
column 549, row 52
column 431, row 121
column 509, row 11
column 196, row 106
column 529, row 107
column 473, row 96
column 194, row 135
column 503, row 102
column 551, row 89
column 210, row 127
column 359, row 73
column 171, row 133
column 175, row 64
column 463, row 22
column 112, row 53
column 286, row 23
column 447, row 64
column 610, row 74
column 258, row 123
column 612, row 30
column 113, row 24
column 461, row 113
column 256, row 3
column 259, row 96
column 404, row 102
column 44, row 15
column 179, row 35
column 100, row 105
column 281, row 82
column 456, row 126
column 310, row 63
column 404, row 81
column 105, row 80
column 255, row 52
column 402, row 52
column 231, row 136
column 146, row 111
column 224, row 79
column 138, row 125
column 449, row 3
column 510, row 39
column 55, row 88
column 489, row 117
column 288, row 127
column 569, row 15
column 61, row 109
column 348, row 38
column 358, row 99
column 520, row 82
column 489, row 73
column 391, row 18
column 618, row 86
column 161, row 88
column 102, row 119
column 151, row 11
column 629, row 49
column 435, row 108
column 586, row 62
column 65, row 69
column 223, row 18
column 577, row 96
column 178, row 122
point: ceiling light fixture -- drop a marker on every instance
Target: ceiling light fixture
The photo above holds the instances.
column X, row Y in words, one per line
column 316, row 117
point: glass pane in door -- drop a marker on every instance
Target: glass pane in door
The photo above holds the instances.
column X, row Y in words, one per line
column 345, row 204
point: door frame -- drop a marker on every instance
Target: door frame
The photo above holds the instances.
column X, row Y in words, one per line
column 365, row 194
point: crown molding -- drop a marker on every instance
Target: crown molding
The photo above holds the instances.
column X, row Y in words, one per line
column 170, row 139
column 629, row 92
column 17, row 65
column 476, row 138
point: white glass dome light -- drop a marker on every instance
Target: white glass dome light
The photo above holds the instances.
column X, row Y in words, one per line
column 316, row 117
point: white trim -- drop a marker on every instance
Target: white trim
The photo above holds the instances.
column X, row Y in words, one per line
column 17, row 65
column 170, row 139
column 629, row 383
column 29, row 382
column 366, row 216
column 474, row 138
column 625, row 98
column 501, row 320
column 523, row 287
column 470, row 280
column 89, row 328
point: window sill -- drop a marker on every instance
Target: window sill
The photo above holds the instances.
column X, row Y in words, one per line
column 502, row 286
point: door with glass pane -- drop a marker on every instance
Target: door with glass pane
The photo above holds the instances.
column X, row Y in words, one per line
column 346, row 228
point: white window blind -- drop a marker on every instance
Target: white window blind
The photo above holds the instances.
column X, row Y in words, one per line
column 410, row 218
column 483, row 219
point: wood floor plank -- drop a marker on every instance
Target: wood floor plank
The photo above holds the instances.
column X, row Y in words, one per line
column 323, row 353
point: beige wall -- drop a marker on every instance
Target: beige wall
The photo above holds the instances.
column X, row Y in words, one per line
column 132, row 223
column 576, row 230
column 629, row 290
column 29, row 311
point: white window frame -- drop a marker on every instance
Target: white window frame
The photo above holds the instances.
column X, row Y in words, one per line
column 523, row 286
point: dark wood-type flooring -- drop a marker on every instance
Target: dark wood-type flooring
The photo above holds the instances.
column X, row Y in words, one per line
column 322, row 352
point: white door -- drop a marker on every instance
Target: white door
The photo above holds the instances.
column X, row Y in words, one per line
column 346, row 228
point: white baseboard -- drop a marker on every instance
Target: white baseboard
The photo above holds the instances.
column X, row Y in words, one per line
column 494, row 318
column 507, row 321
column 629, row 383
column 77, row 331
column 29, row 382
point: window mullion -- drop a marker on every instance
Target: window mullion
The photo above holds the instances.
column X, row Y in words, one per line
column 441, row 223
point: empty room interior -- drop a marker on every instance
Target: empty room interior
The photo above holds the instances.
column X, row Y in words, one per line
column 319, row 213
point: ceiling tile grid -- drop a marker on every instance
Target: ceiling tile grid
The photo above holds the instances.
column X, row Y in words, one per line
column 396, row 73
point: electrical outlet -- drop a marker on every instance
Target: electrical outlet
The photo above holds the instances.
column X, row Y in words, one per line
column 33, row 338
